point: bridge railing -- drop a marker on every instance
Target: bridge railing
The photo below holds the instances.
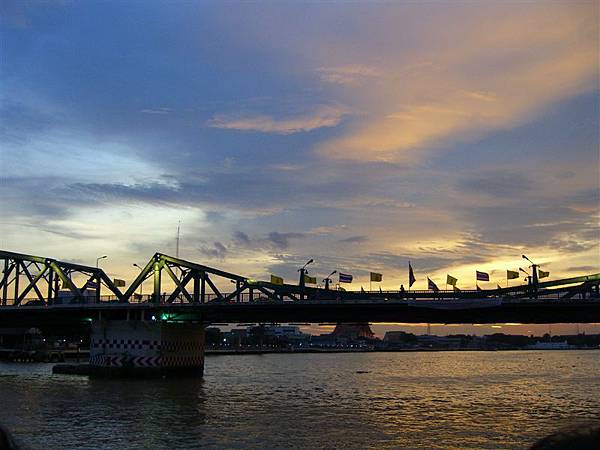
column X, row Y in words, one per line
column 350, row 297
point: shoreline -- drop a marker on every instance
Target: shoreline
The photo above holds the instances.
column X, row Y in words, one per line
column 407, row 350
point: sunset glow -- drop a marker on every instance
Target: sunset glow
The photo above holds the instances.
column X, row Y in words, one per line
column 455, row 135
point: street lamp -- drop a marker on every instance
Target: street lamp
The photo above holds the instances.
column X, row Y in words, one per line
column 534, row 275
column 310, row 261
column 327, row 280
column 99, row 258
column 525, row 257
column 302, row 271
column 142, row 283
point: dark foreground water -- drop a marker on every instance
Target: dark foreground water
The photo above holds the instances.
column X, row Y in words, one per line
column 406, row 400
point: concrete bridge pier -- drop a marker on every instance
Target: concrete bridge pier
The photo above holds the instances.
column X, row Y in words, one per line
column 140, row 348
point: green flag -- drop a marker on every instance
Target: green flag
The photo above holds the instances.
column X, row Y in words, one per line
column 376, row 276
column 451, row 280
column 276, row 280
column 310, row 280
column 511, row 274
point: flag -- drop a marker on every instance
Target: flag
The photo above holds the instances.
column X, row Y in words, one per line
column 345, row 278
column 431, row 285
column 309, row 280
column 512, row 274
column 276, row 280
column 118, row 283
column 376, row 276
column 482, row 276
column 478, row 288
column 451, row 280
column 90, row 285
column 411, row 276
column 542, row 274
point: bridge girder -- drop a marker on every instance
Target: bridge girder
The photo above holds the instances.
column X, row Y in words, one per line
column 52, row 276
column 195, row 283
column 203, row 280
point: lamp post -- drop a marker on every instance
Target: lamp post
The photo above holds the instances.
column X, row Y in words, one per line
column 327, row 280
column 142, row 283
column 303, row 271
column 534, row 275
column 99, row 258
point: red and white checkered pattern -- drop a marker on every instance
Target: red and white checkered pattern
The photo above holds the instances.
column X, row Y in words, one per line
column 146, row 344
column 126, row 344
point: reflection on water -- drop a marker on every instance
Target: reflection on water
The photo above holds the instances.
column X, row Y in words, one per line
column 406, row 400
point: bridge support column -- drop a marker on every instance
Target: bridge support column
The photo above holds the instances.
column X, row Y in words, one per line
column 137, row 348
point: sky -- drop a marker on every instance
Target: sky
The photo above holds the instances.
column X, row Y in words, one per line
column 456, row 135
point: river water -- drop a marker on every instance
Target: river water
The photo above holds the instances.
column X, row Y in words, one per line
column 364, row 400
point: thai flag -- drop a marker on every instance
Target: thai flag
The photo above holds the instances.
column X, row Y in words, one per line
column 482, row 276
column 345, row 278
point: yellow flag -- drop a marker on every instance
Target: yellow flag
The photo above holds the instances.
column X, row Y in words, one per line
column 511, row 274
column 376, row 276
column 542, row 274
column 451, row 280
column 276, row 280
column 310, row 280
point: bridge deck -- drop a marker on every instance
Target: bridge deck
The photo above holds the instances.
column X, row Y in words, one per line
column 482, row 311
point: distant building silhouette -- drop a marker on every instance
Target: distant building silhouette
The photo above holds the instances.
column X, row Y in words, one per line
column 353, row 331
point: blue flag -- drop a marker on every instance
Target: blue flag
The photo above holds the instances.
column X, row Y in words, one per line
column 431, row 285
column 91, row 285
column 411, row 276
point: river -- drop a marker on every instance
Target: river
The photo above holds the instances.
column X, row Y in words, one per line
column 429, row 400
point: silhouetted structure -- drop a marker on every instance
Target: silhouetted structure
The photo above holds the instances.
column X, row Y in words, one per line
column 353, row 331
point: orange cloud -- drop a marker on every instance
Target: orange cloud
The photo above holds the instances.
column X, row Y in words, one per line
column 480, row 73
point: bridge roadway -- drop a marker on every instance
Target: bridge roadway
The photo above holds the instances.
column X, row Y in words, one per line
column 477, row 311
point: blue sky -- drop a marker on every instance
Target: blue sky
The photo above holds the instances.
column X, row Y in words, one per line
column 454, row 134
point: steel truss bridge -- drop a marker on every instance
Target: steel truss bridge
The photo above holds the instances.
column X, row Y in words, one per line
column 42, row 291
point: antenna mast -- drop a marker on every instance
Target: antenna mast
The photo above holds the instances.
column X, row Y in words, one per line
column 177, row 240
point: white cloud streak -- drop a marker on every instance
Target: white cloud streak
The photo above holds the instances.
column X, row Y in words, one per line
column 323, row 117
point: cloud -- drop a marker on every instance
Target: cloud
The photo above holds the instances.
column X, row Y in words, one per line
column 323, row 117
column 282, row 240
column 497, row 184
column 217, row 251
column 489, row 70
column 587, row 268
column 157, row 111
column 242, row 239
column 496, row 87
column 355, row 239
column 274, row 240
column 350, row 74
